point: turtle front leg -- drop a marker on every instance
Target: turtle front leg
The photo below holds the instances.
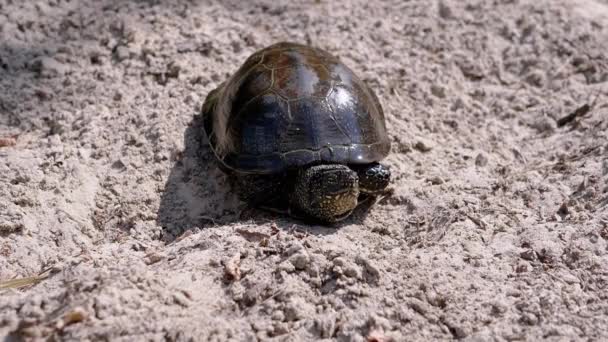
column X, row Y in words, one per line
column 263, row 191
column 374, row 179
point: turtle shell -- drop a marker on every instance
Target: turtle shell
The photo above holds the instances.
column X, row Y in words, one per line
column 292, row 105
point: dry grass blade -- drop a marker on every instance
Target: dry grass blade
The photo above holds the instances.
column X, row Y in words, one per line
column 21, row 282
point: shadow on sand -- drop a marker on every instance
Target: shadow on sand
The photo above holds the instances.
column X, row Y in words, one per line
column 198, row 195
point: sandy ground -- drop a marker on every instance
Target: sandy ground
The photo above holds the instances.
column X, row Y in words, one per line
column 498, row 230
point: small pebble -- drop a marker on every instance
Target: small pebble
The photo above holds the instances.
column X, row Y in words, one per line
column 122, row 53
column 286, row 266
column 436, row 180
column 153, row 258
column 445, row 11
column 294, row 248
column 76, row 315
column 280, row 329
column 481, row 160
column 232, row 270
column 250, row 297
column 352, row 271
column 438, row 91
column 297, row 309
column 535, row 78
column 300, row 261
column 173, row 69
column 423, row 145
column 544, row 124
column 278, row 315
column 48, row 67
column 369, row 266
column 528, row 255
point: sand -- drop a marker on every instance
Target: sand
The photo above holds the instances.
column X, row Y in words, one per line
column 111, row 200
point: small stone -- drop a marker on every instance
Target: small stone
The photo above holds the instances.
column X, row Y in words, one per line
column 237, row 291
column 279, row 329
column 438, row 91
column 481, row 160
column 352, row 271
column 232, row 270
column 498, row 308
column 250, row 297
column 76, row 315
column 278, row 315
column 153, row 258
column 436, row 180
column 445, row 11
column 294, row 248
column 249, row 39
column 529, row 318
column 339, row 261
column 48, row 67
column 191, row 98
column 214, row 262
column 471, row 69
column 371, row 269
column 544, row 125
column 180, row 299
column 300, row 261
column 236, row 47
column 423, row 145
column 378, row 336
column 118, row 165
column 122, row 53
column 286, row 266
column 313, row 270
column 536, row 78
column 297, row 309
column 260, row 325
column 459, row 103
column 173, row 69
column 96, row 58
column 42, row 94
column 546, row 256
column 529, row 255
column 404, row 147
column 522, row 267
column 570, row 278
column 459, row 332
column 563, row 210
column 11, row 220
column 326, row 326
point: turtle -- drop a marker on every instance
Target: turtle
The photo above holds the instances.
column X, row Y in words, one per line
column 297, row 132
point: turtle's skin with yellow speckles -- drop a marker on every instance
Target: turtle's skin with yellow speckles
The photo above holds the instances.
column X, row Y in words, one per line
column 299, row 133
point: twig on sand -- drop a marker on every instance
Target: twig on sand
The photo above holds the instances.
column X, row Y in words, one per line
column 578, row 112
column 8, row 141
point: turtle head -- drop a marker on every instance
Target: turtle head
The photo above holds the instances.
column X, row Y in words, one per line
column 327, row 193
